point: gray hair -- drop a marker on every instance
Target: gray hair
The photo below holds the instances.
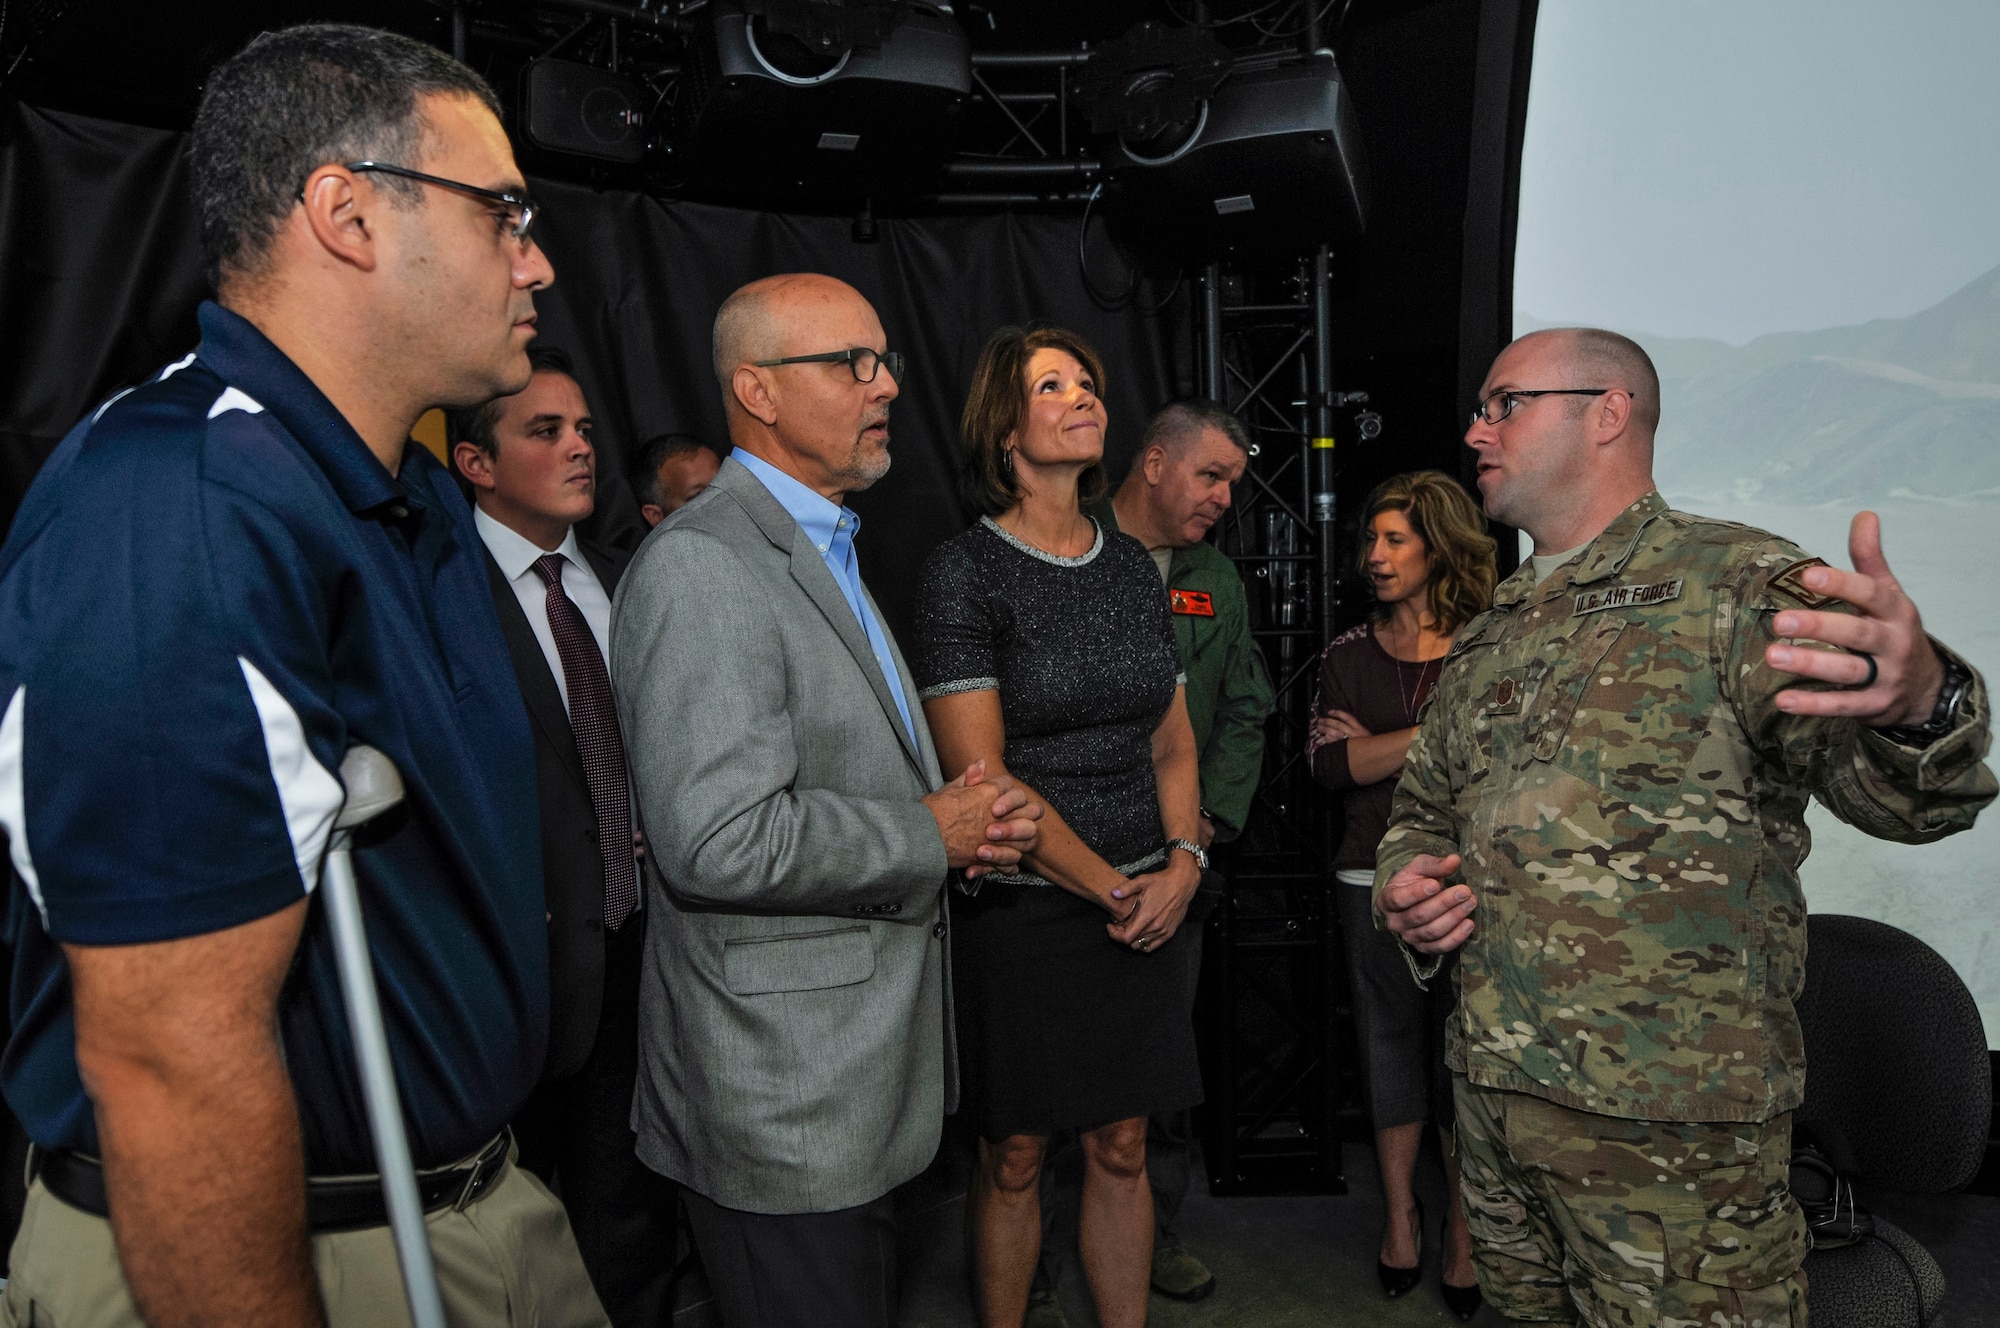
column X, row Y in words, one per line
column 1181, row 422
column 295, row 100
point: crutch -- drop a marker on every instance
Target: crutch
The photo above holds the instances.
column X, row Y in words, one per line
column 374, row 787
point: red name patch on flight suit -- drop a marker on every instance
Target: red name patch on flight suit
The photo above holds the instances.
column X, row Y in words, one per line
column 1195, row 602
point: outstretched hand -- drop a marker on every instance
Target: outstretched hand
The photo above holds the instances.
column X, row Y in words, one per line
column 1884, row 625
column 1423, row 910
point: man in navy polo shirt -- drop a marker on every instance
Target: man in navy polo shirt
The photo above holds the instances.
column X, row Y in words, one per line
column 220, row 581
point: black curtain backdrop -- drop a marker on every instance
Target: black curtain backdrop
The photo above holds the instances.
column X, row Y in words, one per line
column 638, row 284
column 100, row 276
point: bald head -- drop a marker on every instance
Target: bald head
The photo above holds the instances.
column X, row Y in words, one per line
column 1597, row 358
column 758, row 321
column 813, row 420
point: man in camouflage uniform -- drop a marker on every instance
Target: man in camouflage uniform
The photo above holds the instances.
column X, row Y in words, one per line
column 1613, row 772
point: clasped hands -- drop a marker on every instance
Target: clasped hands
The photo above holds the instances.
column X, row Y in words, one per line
column 987, row 822
column 1149, row 908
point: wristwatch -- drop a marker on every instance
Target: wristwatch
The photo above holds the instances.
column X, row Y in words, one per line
column 1952, row 692
column 1188, row 846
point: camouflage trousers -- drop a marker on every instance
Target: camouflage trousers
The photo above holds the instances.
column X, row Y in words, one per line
column 1610, row 1223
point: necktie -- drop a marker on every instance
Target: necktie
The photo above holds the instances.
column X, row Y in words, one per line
column 593, row 718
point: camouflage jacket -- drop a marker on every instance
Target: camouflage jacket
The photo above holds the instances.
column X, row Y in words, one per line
column 1605, row 751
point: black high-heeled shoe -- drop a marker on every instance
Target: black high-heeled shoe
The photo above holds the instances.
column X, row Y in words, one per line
column 1398, row 1281
column 1462, row 1301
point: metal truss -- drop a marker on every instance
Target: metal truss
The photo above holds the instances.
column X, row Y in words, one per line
column 1273, row 979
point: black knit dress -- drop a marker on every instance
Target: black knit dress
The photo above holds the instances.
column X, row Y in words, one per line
column 1059, row 1025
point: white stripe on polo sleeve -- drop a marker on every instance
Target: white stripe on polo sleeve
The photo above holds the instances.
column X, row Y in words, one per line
column 13, row 798
column 308, row 792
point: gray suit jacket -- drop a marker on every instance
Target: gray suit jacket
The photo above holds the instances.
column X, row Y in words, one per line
column 792, row 1016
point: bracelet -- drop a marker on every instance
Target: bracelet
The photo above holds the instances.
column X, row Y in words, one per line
column 1957, row 685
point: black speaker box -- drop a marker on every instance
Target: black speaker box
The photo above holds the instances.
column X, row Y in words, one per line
column 867, row 112
column 1272, row 161
column 583, row 111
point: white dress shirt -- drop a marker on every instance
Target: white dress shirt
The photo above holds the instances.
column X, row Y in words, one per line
column 516, row 556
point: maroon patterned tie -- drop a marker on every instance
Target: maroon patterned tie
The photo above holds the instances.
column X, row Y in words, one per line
column 593, row 718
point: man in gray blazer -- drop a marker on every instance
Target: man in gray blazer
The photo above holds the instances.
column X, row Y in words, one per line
column 795, row 1064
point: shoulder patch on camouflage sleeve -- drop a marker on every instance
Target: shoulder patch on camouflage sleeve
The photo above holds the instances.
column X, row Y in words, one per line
column 1792, row 581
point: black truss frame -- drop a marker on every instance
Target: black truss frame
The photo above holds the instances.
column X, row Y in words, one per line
column 1273, row 979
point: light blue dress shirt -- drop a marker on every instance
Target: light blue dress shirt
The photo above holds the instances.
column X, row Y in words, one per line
column 832, row 530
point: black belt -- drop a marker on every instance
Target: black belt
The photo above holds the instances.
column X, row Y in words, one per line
column 345, row 1203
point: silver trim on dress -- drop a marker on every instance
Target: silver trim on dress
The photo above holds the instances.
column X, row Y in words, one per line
column 962, row 685
column 1096, row 547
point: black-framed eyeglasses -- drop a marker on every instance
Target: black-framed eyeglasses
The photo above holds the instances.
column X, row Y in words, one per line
column 521, row 209
column 1488, row 413
column 862, row 361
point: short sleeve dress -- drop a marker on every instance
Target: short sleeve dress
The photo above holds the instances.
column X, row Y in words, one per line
column 1059, row 1026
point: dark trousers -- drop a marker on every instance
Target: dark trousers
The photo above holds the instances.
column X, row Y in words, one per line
column 799, row 1270
column 1399, row 1026
column 576, row 1134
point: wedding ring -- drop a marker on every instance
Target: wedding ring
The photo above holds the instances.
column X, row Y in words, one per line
column 1873, row 672
column 1143, row 942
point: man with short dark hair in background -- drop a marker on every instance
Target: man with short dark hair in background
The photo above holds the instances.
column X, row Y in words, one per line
column 533, row 472
column 668, row 470
column 218, row 583
column 1178, row 488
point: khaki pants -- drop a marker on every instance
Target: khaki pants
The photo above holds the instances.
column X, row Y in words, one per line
column 508, row 1258
column 1613, row 1223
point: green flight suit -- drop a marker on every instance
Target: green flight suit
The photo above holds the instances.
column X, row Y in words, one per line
column 1228, row 692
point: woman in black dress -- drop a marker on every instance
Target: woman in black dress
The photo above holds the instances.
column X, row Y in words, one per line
column 1428, row 556
column 1045, row 648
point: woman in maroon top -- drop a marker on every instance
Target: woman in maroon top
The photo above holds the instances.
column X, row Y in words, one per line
column 1428, row 556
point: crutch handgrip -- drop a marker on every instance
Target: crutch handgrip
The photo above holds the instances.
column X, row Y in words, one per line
column 372, row 785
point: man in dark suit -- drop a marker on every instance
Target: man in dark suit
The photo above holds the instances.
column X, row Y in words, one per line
column 532, row 469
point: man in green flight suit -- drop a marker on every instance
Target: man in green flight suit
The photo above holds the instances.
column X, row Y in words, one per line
column 1604, row 812
column 1177, row 489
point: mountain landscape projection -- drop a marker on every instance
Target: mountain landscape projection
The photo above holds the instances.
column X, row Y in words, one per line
column 1896, row 407
column 1794, row 433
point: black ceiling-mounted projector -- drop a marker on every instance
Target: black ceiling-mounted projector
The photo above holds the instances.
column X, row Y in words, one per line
column 1206, row 154
column 784, row 99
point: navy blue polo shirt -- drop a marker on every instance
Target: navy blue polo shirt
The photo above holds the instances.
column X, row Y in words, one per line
column 212, row 589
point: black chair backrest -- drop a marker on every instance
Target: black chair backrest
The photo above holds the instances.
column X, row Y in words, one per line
column 1896, row 1060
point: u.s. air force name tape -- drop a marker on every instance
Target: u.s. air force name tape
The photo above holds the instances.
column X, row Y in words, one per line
column 1626, row 597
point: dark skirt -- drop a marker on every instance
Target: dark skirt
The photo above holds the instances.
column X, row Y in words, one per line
column 1059, row 1026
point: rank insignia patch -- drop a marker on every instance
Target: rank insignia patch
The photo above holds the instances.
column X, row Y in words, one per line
column 1793, row 582
column 1194, row 602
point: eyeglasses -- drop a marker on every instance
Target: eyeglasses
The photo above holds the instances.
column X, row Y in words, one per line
column 521, row 210
column 862, row 361
column 1487, row 412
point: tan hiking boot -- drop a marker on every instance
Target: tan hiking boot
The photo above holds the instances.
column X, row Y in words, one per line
column 1179, row 1275
column 1043, row 1312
